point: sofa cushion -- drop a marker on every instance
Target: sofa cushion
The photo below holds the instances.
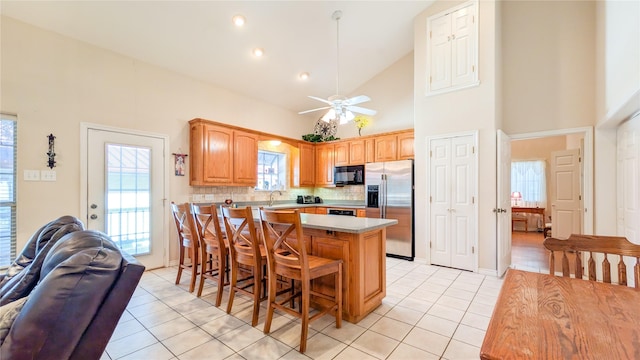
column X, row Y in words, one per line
column 77, row 274
column 8, row 314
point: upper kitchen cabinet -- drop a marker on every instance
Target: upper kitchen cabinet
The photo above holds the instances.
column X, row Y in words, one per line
column 341, row 155
column 405, row 146
column 221, row 156
column 324, row 164
column 303, row 165
column 386, row 148
column 245, row 158
column 349, row 153
column 356, row 152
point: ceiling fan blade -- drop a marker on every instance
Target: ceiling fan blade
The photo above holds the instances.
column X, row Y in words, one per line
column 358, row 99
column 312, row 110
column 320, row 99
column 362, row 110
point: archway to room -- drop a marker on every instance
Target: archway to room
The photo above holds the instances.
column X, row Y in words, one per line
column 532, row 157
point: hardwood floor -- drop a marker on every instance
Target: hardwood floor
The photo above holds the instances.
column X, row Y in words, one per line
column 528, row 253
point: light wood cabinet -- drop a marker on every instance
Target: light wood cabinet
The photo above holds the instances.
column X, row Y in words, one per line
column 369, row 150
column 361, row 213
column 356, row 152
column 386, row 148
column 405, row 146
column 341, row 154
column 221, row 156
column 324, row 164
column 307, row 167
column 245, row 158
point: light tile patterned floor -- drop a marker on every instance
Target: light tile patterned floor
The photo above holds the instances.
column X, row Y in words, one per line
column 430, row 312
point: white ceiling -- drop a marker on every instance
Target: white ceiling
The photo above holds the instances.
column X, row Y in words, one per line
column 197, row 38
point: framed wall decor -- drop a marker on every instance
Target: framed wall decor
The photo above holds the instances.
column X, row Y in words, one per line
column 180, row 160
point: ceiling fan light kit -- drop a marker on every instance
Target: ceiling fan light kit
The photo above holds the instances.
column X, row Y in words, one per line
column 340, row 107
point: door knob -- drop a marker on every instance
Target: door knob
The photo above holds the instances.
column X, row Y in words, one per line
column 93, row 216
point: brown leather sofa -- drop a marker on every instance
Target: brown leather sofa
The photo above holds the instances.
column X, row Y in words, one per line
column 83, row 286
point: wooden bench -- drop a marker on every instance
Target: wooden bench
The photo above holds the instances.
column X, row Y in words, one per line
column 607, row 245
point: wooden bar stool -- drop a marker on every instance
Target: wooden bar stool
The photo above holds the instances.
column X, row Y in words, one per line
column 245, row 249
column 288, row 258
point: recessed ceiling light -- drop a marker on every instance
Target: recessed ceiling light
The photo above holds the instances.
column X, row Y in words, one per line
column 303, row 75
column 238, row 20
column 258, row 52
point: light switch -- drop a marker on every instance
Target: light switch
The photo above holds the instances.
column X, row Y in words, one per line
column 48, row 175
column 31, row 175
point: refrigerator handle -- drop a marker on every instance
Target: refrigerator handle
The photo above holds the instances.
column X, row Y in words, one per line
column 383, row 207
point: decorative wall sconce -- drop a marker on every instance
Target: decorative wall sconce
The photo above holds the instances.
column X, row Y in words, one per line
column 51, row 163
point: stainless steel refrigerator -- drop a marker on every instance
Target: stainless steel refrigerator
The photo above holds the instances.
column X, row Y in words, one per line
column 389, row 195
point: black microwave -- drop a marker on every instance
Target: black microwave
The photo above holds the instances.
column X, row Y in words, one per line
column 348, row 175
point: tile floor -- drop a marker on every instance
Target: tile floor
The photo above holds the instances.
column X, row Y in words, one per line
column 429, row 312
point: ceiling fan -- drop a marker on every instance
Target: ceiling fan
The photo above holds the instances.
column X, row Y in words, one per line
column 340, row 107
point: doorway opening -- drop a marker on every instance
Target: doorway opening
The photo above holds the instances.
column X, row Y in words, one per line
column 567, row 205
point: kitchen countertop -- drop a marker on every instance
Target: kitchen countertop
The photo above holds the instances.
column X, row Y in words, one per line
column 287, row 205
column 347, row 224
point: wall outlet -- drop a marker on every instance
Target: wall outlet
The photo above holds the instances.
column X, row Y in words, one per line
column 48, row 175
column 31, row 175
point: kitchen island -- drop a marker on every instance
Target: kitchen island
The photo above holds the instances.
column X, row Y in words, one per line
column 361, row 244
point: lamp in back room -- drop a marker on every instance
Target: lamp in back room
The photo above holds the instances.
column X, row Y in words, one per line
column 516, row 198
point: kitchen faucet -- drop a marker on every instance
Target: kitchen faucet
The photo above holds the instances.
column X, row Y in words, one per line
column 271, row 196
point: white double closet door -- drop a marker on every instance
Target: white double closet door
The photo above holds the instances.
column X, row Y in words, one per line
column 453, row 215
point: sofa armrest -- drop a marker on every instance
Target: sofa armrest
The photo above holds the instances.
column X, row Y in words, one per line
column 97, row 335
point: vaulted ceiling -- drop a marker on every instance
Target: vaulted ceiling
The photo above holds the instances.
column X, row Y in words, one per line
column 198, row 39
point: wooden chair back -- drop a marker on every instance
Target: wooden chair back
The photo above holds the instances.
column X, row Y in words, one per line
column 244, row 243
column 214, row 250
column 288, row 258
column 188, row 242
column 184, row 225
column 607, row 245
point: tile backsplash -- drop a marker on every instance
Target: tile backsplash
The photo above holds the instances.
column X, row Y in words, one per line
column 219, row 194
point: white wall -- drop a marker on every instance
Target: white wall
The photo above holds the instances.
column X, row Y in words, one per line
column 391, row 93
column 548, row 58
column 54, row 83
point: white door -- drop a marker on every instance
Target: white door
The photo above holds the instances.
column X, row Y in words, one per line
column 628, row 179
column 503, row 199
column 453, row 224
column 440, row 38
column 440, row 198
column 566, row 213
column 126, row 190
column 462, row 49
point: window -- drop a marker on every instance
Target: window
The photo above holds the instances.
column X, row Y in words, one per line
column 272, row 170
column 8, row 136
column 530, row 180
column 128, row 197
